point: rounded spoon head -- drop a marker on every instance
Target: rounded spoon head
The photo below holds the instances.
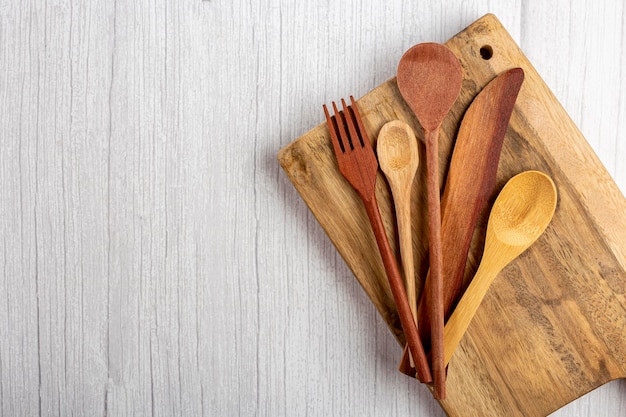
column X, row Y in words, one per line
column 397, row 149
column 429, row 78
column 523, row 209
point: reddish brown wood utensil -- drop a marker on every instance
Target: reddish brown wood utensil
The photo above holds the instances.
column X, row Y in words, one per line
column 476, row 151
column 429, row 79
column 358, row 165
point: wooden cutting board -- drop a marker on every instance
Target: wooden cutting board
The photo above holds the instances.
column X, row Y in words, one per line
column 553, row 325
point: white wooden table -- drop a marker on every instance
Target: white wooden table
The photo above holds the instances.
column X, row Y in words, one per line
column 155, row 261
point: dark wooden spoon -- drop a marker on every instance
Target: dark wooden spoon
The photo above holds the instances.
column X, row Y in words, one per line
column 429, row 79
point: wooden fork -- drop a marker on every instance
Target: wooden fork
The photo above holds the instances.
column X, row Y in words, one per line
column 358, row 164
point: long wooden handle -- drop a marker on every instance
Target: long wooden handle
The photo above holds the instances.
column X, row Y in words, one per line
column 434, row 249
column 397, row 290
column 405, row 237
column 465, row 310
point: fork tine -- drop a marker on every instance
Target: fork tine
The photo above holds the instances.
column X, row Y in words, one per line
column 333, row 129
column 349, row 116
column 362, row 132
column 344, row 133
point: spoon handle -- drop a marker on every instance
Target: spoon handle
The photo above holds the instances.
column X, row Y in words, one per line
column 434, row 249
column 402, row 200
column 465, row 310
column 405, row 237
column 397, row 289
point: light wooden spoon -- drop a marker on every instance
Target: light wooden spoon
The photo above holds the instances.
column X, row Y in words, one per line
column 399, row 158
column 429, row 79
column 520, row 214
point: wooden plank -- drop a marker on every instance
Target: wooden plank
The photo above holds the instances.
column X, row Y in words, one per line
column 551, row 328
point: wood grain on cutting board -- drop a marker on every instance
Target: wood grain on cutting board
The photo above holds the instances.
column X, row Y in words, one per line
column 552, row 326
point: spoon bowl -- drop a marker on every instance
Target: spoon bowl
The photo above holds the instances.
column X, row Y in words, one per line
column 520, row 214
column 516, row 222
column 397, row 149
column 429, row 78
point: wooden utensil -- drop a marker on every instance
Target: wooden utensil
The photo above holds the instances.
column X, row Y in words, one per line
column 429, row 79
column 358, row 165
column 551, row 329
column 398, row 157
column 476, row 151
column 520, row 214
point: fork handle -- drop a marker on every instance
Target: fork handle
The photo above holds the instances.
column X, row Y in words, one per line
column 397, row 290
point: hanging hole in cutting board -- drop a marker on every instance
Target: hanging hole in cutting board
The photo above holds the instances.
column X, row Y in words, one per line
column 486, row 52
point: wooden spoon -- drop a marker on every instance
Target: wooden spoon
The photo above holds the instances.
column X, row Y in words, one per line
column 520, row 214
column 429, row 79
column 399, row 158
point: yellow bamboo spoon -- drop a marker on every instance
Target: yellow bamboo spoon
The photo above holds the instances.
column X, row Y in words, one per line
column 519, row 216
column 399, row 158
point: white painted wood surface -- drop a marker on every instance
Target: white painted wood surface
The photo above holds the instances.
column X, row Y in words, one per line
column 154, row 259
